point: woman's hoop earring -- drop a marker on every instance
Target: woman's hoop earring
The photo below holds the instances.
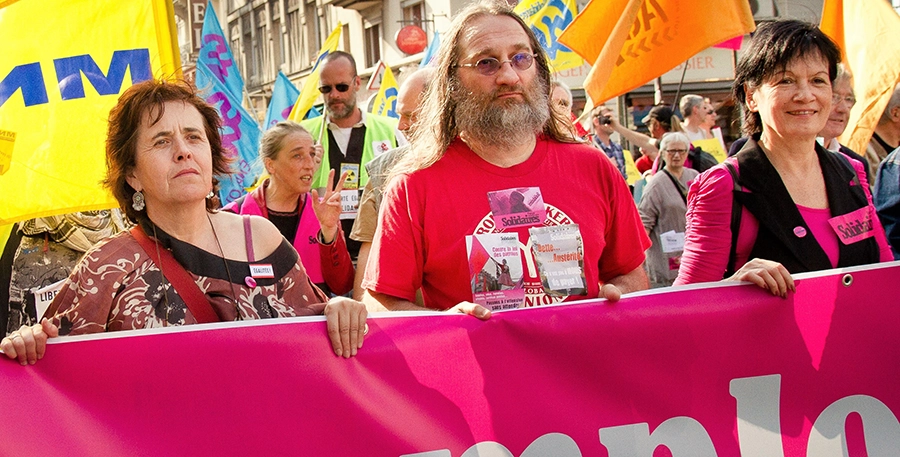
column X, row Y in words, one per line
column 137, row 201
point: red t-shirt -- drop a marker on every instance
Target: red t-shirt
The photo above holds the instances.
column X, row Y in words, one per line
column 643, row 164
column 426, row 216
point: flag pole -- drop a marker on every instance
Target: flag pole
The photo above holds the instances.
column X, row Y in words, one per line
column 678, row 91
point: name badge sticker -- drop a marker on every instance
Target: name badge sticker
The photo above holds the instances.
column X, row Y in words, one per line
column 854, row 226
column 262, row 270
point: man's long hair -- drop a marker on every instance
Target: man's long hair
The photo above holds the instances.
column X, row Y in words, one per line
column 437, row 125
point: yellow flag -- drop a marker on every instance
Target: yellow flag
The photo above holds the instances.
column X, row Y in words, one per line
column 632, row 175
column 310, row 91
column 548, row 19
column 59, row 77
column 633, row 42
column 385, row 103
column 872, row 53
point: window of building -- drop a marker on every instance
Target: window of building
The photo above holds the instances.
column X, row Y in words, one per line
column 237, row 48
column 261, row 50
column 249, row 49
column 296, row 45
column 373, row 44
column 278, row 51
column 414, row 14
column 313, row 36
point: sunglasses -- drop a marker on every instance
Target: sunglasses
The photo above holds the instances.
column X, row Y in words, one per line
column 339, row 87
column 489, row 65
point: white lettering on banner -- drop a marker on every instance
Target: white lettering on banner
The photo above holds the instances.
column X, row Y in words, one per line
column 681, row 435
column 759, row 430
column 555, row 444
column 880, row 428
column 757, row 410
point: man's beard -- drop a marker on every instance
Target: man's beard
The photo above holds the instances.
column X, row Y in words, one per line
column 488, row 120
column 347, row 109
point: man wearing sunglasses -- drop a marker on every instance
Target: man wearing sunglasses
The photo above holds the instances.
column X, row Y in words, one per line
column 486, row 132
column 352, row 137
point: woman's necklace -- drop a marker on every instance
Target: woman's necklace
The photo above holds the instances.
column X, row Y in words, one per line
column 237, row 311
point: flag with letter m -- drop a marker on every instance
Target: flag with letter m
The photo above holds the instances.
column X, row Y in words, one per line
column 63, row 68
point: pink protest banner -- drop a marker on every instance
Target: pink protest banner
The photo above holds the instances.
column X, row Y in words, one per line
column 717, row 371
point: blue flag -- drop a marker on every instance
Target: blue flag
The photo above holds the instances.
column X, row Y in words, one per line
column 216, row 57
column 240, row 136
column 432, row 50
column 284, row 95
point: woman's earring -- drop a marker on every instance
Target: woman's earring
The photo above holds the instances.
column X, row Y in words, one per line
column 137, row 201
column 211, row 194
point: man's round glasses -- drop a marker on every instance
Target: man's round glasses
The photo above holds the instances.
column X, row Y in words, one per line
column 489, row 65
column 339, row 87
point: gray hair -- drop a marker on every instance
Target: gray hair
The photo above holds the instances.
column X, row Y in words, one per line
column 892, row 103
column 674, row 137
column 688, row 102
column 556, row 83
column 843, row 75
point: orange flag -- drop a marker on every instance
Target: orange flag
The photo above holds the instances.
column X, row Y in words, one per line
column 871, row 50
column 633, row 42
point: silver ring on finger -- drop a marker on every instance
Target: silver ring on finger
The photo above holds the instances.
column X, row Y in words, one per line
column 366, row 329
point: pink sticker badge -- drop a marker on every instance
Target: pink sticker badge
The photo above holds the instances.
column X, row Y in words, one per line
column 800, row 231
column 853, row 227
column 521, row 207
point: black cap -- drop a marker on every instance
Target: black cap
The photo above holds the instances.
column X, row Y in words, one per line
column 662, row 113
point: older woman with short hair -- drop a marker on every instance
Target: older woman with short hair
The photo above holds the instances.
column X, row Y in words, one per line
column 783, row 200
column 663, row 206
column 185, row 262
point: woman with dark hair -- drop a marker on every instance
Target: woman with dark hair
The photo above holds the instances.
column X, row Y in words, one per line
column 783, row 200
column 284, row 198
column 184, row 262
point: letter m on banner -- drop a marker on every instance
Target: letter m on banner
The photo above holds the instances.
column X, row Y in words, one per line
column 69, row 70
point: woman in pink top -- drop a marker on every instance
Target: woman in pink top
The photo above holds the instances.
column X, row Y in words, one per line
column 796, row 206
column 312, row 226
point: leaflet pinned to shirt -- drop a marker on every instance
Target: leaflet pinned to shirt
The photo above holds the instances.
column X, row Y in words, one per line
column 350, row 194
column 559, row 251
column 672, row 241
column 495, row 270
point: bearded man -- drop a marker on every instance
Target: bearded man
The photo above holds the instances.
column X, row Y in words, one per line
column 352, row 138
column 487, row 130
